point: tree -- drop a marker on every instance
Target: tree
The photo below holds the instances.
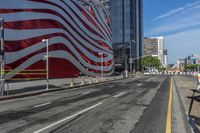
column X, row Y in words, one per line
column 150, row 62
column 191, row 67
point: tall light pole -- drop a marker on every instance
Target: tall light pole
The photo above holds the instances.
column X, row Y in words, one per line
column 131, row 59
column 101, row 54
column 2, row 54
column 46, row 41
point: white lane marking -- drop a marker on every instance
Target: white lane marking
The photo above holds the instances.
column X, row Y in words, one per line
column 139, row 84
column 120, row 94
column 85, row 93
column 111, row 86
column 67, row 118
column 40, row 105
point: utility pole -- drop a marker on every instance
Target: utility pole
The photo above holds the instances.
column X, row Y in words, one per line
column 124, row 56
column 131, row 59
column 46, row 41
column 2, row 54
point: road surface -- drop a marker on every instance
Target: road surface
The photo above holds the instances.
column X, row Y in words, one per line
column 137, row 105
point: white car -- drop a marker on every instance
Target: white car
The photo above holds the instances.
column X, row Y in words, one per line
column 146, row 73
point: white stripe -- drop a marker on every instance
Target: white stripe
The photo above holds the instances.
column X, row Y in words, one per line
column 10, row 34
column 18, row 4
column 40, row 105
column 74, row 17
column 120, row 94
column 63, row 55
column 67, row 118
column 11, row 17
column 85, row 93
column 85, row 19
column 139, row 84
column 24, row 52
column 105, row 25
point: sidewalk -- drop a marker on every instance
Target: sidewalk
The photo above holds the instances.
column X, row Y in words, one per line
column 185, row 85
column 20, row 87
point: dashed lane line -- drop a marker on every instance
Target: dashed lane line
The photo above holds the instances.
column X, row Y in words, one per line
column 67, row 118
column 120, row 94
column 85, row 93
column 40, row 105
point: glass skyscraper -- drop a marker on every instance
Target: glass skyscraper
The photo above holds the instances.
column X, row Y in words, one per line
column 127, row 25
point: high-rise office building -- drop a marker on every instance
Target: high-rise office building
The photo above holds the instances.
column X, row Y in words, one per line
column 127, row 26
column 154, row 46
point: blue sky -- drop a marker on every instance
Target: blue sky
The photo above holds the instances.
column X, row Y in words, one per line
column 178, row 21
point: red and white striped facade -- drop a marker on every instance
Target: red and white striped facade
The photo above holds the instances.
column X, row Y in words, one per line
column 78, row 30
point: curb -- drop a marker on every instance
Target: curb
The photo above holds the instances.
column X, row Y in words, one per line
column 15, row 96
column 191, row 124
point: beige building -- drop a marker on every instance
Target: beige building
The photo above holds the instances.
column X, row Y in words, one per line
column 151, row 46
column 154, row 46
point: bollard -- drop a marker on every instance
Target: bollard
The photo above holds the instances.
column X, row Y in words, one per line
column 90, row 81
column 72, row 83
column 97, row 81
column 82, row 81
column 198, row 84
column 126, row 73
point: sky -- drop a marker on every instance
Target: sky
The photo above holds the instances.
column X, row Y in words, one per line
column 178, row 21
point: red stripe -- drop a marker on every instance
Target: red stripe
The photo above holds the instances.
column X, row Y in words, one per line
column 90, row 19
column 45, row 23
column 13, row 46
column 55, row 47
column 18, row 26
column 51, row 3
column 55, row 71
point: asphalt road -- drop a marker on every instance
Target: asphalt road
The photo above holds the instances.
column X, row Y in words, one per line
column 137, row 105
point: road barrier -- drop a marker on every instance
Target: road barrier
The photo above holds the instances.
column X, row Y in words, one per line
column 82, row 81
column 72, row 83
column 90, row 81
column 97, row 79
column 198, row 86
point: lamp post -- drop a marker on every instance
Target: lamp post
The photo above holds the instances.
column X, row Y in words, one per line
column 46, row 41
column 101, row 54
column 2, row 54
column 131, row 59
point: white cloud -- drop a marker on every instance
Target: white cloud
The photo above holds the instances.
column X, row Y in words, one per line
column 182, row 44
column 182, row 27
column 188, row 20
column 177, row 20
column 178, row 10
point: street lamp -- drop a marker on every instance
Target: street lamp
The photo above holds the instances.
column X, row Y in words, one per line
column 101, row 54
column 131, row 59
column 2, row 55
column 46, row 41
